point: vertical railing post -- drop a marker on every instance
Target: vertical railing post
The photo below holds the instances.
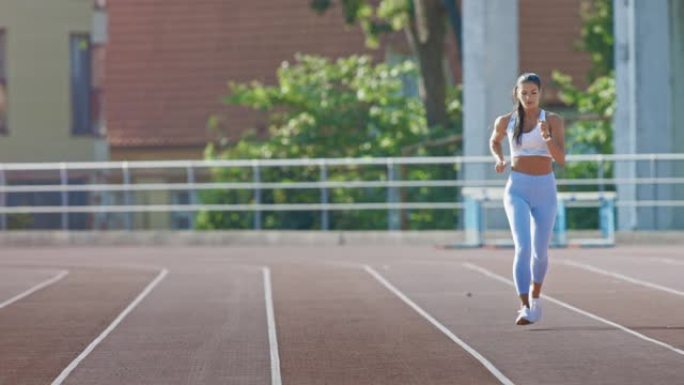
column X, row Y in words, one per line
column 101, row 197
column 256, row 178
column 64, row 182
column 460, row 218
column 325, row 216
column 393, row 214
column 560, row 230
column 192, row 193
column 127, row 195
column 607, row 219
column 473, row 225
column 601, row 189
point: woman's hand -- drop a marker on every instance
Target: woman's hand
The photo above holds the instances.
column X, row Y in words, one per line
column 500, row 166
column 545, row 131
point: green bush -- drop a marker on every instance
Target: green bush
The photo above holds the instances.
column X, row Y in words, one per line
column 350, row 107
column 591, row 133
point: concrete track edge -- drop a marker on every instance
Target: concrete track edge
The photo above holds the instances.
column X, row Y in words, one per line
column 280, row 238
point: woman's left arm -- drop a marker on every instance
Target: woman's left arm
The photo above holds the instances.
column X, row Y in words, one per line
column 556, row 141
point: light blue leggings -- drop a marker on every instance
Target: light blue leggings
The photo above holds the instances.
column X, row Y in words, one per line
column 530, row 196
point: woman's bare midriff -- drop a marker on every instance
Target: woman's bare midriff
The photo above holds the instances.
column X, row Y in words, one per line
column 532, row 165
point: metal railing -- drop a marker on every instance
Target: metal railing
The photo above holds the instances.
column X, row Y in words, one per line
column 116, row 187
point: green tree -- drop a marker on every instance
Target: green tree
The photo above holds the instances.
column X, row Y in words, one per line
column 591, row 132
column 319, row 108
column 597, row 36
column 425, row 24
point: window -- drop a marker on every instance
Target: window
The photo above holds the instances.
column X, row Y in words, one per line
column 3, row 82
column 81, row 85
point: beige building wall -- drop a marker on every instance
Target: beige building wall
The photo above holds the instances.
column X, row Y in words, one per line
column 38, row 81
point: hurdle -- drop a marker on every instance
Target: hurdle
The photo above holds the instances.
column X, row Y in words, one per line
column 477, row 199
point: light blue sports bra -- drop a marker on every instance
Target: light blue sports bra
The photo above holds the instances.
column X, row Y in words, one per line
column 531, row 143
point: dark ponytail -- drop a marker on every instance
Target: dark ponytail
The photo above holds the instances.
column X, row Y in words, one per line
column 528, row 77
column 520, row 118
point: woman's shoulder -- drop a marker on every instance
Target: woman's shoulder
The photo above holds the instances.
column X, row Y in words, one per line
column 503, row 119
column 552, row 115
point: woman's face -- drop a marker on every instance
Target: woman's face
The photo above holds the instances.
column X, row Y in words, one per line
column 529, row 94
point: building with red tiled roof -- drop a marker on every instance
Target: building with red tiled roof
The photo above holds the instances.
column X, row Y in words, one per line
column 168, row 63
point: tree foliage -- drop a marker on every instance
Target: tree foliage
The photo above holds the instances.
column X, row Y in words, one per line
column 597, row 36
column 591, row 132
column 424, row 22
column 375, row 18
column 319, row 108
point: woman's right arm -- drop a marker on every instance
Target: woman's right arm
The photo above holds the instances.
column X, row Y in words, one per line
column 498, row 134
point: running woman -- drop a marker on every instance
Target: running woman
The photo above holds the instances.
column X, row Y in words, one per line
column 536, row 139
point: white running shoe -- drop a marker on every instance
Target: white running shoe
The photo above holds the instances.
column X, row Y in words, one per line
column 523, row 316
column 535, row 313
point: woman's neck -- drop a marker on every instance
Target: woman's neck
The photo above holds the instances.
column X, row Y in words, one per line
column 532, row 112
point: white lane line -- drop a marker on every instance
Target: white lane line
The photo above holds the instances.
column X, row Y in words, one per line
column 635, row 281
column 272, row 336
column 65, row 373
column 669, row 261
column 485, row 362
column 44, row 284
column 578, row 310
